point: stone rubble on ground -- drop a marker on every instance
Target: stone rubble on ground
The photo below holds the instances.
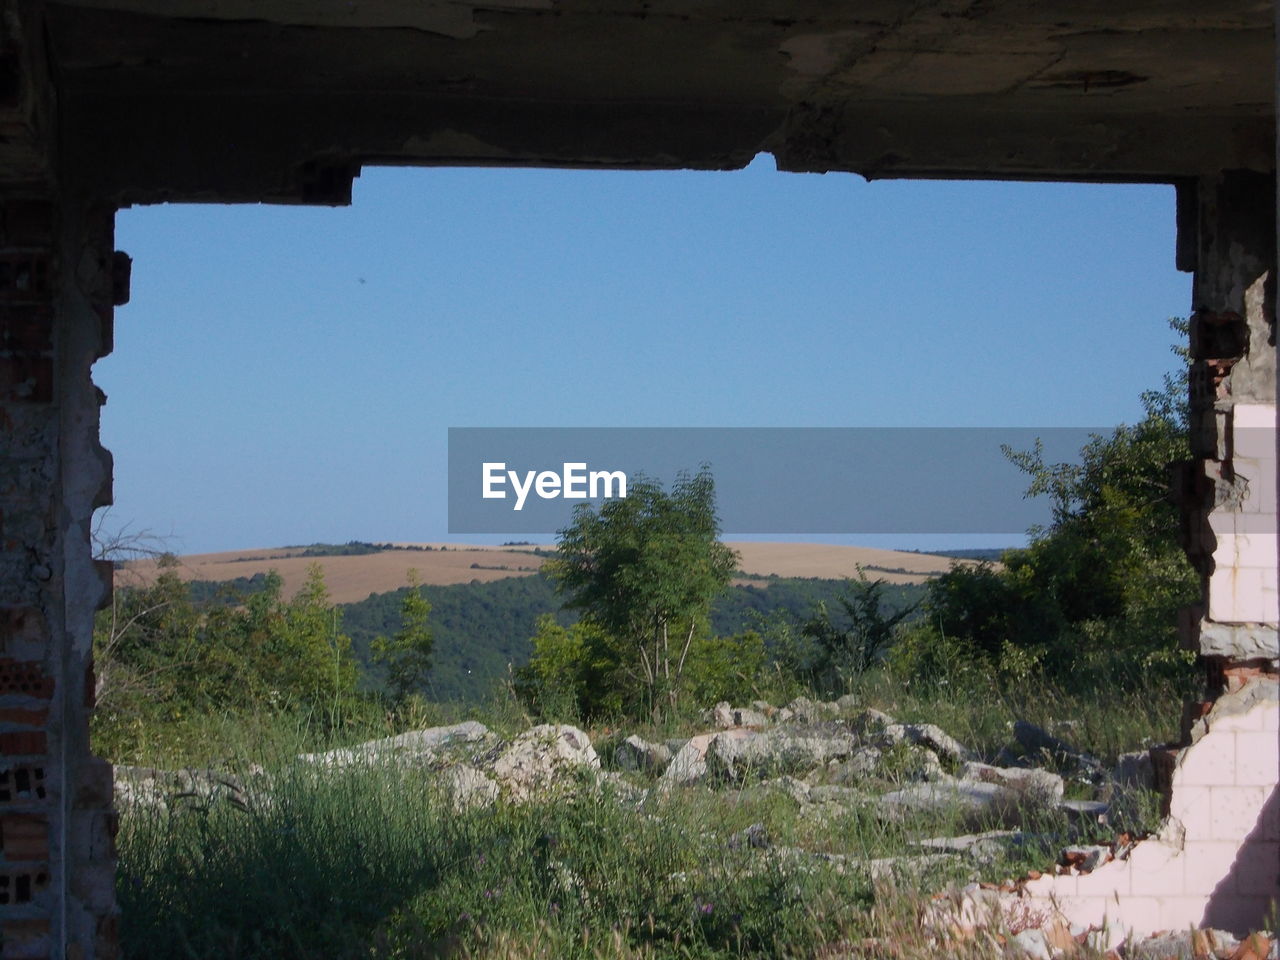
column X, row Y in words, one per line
column 415, row 748
column 827, row 758
column 635, row 754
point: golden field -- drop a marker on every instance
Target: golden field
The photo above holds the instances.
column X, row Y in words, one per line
column 353, row 578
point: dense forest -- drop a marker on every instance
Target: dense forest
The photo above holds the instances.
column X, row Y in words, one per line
column 479, row 628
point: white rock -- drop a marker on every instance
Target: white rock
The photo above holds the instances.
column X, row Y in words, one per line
column 543, row 758
column 468, row 787
column 636, row 753
column 417, row 747
column 1033, row 944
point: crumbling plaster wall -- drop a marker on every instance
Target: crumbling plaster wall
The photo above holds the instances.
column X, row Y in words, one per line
column 1216, row 860
column 59, row 279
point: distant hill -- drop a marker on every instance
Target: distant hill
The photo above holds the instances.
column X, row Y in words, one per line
column 992, row 554
column 356, row 570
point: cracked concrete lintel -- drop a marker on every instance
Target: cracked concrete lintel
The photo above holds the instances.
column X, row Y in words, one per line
column 446, row 18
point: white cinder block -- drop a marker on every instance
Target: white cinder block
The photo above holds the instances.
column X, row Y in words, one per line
column 1154, row 870
column 1109, row 880
column 1235, row 811
column 1239, row 595
column 1208, row 865
column 1179, row 913
column 1223, row 524
column 1190, row 804
column 1257, row 760
column 1208, row 762
column 1256, row 550
column 1254, row 416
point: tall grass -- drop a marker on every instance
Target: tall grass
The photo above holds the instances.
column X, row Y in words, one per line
column 374, row 862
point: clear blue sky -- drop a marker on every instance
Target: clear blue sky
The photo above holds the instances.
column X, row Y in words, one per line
column 287, row 374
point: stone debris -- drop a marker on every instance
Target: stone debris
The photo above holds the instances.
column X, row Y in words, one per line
column 862, row 764
column 733, row 758
column 1034, row 785
column 983, row 847
column 468, row 787
column 415, row 748
column 173, row 789
column 1033, row 943
column 725, row 716
column 804, row 710
column 972, row 800
column 1040, row 744
column 797, row 790
column 754, row 837
column 637, row 754
column 539, row 759
column 933, row 738
column 1086, row 859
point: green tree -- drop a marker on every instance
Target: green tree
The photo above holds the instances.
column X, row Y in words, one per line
column 407, row 655
column 1096, row 594
column 851, row 642
column 164, row 656
column 644, row 569
column 572, row 673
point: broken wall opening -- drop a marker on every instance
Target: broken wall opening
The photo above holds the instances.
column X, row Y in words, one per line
column 1205, row 354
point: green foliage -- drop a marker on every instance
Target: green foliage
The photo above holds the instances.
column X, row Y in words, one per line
column 724, row 667
column 645, row 569
column 853, row 641
column 161, row 657
column 571, row 671
column 1095, row 597
column 481, row 627
column 406, row 655
column 478, row 628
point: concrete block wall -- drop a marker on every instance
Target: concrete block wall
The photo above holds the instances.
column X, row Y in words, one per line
column 1216, row 860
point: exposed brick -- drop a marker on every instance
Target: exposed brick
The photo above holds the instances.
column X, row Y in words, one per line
column 25, row 677
column 26, row 327
column 21, row 624
column 24, row 837
column 26, row 378
column 28, row 223
column 24, row 743
column 21, row 886
column 30, row 718
column 25, row 938
column 22, row 784
column 24, row 276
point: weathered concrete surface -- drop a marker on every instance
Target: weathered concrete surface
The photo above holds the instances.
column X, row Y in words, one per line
column 284, row 100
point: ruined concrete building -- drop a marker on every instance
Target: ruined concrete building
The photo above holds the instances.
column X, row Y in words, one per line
column 105, row 103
